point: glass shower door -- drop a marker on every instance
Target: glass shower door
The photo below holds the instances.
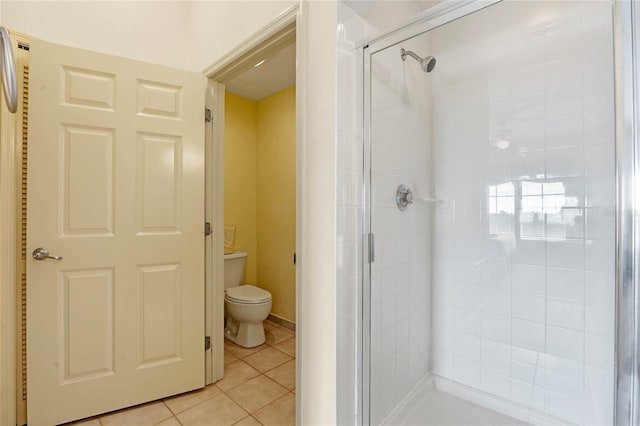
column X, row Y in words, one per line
column 400, row 274
column 491, row 295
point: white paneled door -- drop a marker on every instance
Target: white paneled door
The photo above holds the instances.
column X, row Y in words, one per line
column 116, row 188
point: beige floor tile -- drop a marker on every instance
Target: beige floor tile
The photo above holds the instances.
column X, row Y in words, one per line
column 229, row 356
column 248, row 421
column 180, row 403
column 219, row 411
column 267, row 359
column 256, row 393
column 141, row 415
column 281, row 412
column 284, row 374
column 241, row 352
column 268, row 325
column 236, row 373
column 172, row 421
column 277, row 335
column 288, row 347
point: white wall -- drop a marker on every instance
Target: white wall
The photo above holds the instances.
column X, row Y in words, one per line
column 316, row 271
column 216, row 27
column 148, row 31
column 184, row 34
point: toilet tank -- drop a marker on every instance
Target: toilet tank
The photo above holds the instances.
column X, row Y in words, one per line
column 234, row 268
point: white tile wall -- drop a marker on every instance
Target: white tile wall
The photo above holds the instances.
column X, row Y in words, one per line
column 542, row 230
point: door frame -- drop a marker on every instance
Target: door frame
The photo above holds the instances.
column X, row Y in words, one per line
column 316, row 242
column 274, row 36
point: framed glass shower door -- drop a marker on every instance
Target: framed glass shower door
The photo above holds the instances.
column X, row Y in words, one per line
column 492, row 293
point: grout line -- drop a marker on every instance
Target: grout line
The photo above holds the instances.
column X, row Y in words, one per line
column 257, row 420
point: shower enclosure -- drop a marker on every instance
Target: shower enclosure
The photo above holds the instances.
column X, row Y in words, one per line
column 497, row 233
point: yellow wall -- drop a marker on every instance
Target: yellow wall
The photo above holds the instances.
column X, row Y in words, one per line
column 277, row 200
column 240, row 150
column 260, row 191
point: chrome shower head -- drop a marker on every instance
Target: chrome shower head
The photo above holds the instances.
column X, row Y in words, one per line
column 428, row 63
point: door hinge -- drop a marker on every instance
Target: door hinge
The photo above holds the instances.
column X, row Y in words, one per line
column 371, row 247
column 207, row 343
column 207, row 229
column 207, row 115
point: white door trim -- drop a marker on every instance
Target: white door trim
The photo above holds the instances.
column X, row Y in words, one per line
column 316, row 73
column 286, row 28
column 272, row 37
column 214, row 214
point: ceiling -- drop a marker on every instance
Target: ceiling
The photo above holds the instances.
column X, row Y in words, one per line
column 384, row 15
column 279, row 70
column 276, row 73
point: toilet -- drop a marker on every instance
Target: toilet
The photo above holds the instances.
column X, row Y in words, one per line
column 246, row 306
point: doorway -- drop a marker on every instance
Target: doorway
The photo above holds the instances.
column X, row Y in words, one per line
column 251, row 179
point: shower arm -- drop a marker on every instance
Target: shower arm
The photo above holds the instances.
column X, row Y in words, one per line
column 404, row 53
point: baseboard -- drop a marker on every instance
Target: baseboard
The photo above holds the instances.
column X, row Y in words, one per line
column 282, row 322
column 497, row 404
column 395, row 417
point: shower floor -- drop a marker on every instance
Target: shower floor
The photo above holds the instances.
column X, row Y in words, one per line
column 436, row 408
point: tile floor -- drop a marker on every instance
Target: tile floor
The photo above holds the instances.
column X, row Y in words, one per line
column 258, row 389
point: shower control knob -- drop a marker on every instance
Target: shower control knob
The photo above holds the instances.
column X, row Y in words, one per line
column 404, row 197
column 409, row 197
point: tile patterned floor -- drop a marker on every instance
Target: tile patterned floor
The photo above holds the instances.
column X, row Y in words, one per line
column 258, row 389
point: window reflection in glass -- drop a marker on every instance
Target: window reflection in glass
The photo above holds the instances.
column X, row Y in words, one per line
column 543, row 210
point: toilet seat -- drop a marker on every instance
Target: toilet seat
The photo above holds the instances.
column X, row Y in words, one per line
column 248, row 294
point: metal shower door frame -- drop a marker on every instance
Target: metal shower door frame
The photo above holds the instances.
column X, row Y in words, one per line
column 627, row 96
column 626, row 28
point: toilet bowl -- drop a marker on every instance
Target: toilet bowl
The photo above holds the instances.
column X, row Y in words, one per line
column 246, row 306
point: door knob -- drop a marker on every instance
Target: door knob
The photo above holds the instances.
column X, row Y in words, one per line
column 42, row 253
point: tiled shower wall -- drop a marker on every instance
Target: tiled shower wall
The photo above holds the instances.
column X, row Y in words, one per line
column 348, row 211
column 524, row 237
column 401, row 271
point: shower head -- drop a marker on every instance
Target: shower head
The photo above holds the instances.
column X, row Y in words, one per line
column 428, row 63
